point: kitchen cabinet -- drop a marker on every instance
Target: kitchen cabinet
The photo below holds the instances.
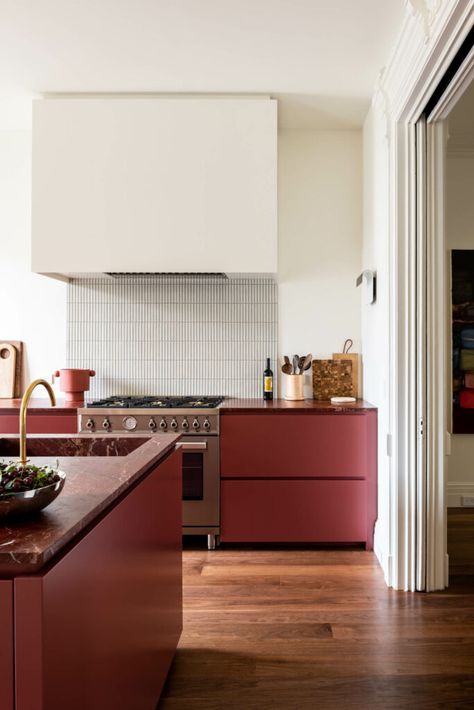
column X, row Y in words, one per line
column 154, row 185
column 51, row 422
column 298, row 476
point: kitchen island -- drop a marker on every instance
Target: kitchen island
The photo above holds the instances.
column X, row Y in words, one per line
column 90, row 588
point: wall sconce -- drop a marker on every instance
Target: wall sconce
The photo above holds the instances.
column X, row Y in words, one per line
column 369, row 280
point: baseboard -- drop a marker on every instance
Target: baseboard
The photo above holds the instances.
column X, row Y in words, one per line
column 382, row 557
column 456, row 491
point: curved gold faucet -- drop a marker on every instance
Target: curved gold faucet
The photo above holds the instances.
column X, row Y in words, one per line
column 23, row 411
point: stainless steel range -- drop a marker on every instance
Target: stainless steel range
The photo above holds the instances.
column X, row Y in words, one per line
column 197, row 418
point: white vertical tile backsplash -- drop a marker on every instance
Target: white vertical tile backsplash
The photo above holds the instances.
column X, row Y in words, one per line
column 173, row 336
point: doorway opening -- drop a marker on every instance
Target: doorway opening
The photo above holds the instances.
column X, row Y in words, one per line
column 444, row 354
column 459, row 230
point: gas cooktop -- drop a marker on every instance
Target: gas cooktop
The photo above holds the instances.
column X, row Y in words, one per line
column 118, row 402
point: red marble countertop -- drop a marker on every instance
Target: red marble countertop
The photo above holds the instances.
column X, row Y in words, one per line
column 92, row 484
column 282, row 405
column 42, row 405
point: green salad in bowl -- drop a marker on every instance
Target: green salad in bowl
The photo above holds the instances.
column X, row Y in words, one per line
column 27, row 488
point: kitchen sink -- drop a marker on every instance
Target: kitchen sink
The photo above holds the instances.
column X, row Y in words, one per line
column 71, row 446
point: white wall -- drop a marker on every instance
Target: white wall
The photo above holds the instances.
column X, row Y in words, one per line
column 33, row 308
column 460, row 235
column 320, row 241
column 375, row 324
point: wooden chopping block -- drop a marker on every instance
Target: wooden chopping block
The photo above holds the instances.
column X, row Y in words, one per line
column 8, row 359
column 332, row 378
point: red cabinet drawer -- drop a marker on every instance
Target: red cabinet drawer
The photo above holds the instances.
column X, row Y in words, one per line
column 300, row 445
column 294, row 511
column 40, row 423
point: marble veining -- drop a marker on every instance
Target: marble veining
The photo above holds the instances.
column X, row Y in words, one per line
column 72, row 446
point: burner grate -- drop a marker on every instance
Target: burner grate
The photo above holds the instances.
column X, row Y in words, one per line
column 157, row 402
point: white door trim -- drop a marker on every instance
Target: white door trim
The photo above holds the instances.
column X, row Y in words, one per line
column 436, row 406
column 427, row 44
column 421, row 346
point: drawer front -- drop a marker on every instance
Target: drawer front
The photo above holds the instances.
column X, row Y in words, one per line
column 300, row 445
column 40, row 423
column 293, row 511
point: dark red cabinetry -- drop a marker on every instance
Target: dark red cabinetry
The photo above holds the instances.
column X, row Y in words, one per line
column 7, row 670
column 98, row 627
column 298, row 477
column 39, row 423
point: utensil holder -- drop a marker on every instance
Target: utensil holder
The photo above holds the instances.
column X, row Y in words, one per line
column 294, row 387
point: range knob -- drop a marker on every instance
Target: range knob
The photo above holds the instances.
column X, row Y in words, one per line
column 207, row 424
column 106, row 424
column 185, row 424
column 163, row 425
column 152, row 424
column 174, row 423
column 196, row 424
column 90, row 424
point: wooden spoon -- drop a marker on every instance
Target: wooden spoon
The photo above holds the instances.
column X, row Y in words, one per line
column 287, row 368
column 307, row 362
column 296, row 361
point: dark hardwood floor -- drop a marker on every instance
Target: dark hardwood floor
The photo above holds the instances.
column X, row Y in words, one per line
column 461, row 540
column 317, row 629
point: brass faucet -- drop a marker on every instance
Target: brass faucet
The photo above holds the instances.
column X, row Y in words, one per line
column 23, row 411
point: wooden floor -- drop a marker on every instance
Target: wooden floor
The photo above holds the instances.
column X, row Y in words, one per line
column 461, row 540
column 317, row 629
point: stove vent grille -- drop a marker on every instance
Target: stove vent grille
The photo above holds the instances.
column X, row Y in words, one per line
column 167, row 274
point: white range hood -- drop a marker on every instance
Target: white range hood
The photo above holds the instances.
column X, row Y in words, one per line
column 144, row 185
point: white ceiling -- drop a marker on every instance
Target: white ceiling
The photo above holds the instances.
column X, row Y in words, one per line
column 321, row 57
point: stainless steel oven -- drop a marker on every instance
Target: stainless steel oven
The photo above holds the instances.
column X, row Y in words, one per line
column 198, row 422
column 201, row 486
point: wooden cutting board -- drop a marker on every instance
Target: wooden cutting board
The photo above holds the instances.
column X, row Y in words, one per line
column 355, row 358
column 356, row 361
column 11, row 354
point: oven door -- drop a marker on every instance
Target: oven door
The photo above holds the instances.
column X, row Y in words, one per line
column 200, row 481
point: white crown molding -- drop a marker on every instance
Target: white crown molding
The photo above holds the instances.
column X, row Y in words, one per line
column 421, row 38
column 425, row 12
column 381, row 98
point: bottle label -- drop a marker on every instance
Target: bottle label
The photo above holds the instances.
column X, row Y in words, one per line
column 268, row 384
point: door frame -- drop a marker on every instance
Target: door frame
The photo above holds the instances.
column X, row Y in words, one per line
column 416, row 564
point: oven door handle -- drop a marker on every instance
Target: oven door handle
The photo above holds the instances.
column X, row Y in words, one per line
column 192, row 445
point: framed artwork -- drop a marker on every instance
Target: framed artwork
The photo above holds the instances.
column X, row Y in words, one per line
column 462, row 331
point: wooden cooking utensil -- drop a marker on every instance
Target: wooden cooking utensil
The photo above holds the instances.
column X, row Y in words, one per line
column 296, row 360
column 307, row 362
